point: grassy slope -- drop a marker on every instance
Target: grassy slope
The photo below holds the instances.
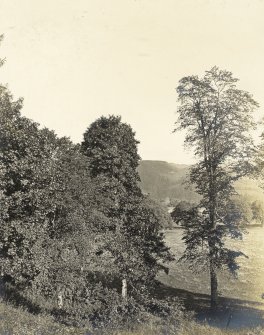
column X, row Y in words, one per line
column 15, row 321
column 180, row 282
column 241, row 297
column 248, row 286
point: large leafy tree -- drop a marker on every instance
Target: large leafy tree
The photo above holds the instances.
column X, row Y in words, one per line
column 133, row 238
column 217, row 117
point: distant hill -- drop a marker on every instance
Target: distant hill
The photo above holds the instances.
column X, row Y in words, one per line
column 165, row 182
column 249, row 189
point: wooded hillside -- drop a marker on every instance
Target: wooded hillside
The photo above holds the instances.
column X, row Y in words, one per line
column 167, row 181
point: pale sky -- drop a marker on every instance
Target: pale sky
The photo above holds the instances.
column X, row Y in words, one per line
column 75, row 60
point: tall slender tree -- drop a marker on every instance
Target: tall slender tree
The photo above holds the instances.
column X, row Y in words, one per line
column 218, row 118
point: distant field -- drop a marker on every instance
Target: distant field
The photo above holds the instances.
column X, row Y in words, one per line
column 241, row 304
column 250, row 282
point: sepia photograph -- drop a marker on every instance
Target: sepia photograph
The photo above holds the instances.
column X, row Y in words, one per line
column 132, row 167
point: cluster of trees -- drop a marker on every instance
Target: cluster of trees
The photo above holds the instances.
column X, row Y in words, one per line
column 248, row 212
column 241, row 209
column 77, row 236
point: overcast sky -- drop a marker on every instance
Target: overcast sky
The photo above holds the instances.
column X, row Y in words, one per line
column 75, row 60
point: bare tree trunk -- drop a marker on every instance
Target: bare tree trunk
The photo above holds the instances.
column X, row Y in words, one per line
column 124, row 289
column 214, row 286
column 2, row 287
column 213, row 275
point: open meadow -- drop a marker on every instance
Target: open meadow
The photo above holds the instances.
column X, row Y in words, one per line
column 241, row 298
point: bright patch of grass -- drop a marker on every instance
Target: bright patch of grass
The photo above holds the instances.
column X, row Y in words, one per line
column 249, row 285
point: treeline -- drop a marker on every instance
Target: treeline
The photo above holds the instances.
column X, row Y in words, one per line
column 248, row 211
column 78, row 239
column 242, row 209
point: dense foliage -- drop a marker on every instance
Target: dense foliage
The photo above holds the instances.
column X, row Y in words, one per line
column 74, row 223
column 48, row 213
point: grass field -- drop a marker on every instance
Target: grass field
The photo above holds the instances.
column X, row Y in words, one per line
column 241, row 298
